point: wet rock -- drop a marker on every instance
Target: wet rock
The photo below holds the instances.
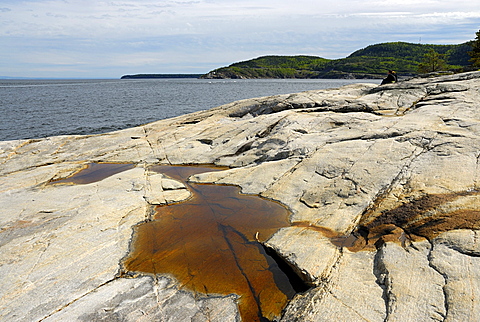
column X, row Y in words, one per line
column 394, row 170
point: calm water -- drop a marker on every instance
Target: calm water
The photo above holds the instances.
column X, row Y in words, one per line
column 41, row 108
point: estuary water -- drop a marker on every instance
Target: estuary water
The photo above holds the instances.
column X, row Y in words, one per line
column 39, row 108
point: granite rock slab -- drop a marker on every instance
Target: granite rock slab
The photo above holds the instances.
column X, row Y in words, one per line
column 360, row 156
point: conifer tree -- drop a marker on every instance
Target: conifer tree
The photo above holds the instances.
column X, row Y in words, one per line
column 475, row 53
column 432, row 62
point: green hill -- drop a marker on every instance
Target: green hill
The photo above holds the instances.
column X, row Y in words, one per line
column 370, row 62
column 273, row 67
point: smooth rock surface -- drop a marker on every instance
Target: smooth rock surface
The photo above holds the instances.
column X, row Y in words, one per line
column 361, row 156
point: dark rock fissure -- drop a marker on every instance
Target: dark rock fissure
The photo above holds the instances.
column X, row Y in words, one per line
column 445, row 278
column 206, row 141
column 380, row 273
column 299, row 283
column 228, row 229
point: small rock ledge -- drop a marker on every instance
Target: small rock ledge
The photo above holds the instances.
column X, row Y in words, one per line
column 340, row 159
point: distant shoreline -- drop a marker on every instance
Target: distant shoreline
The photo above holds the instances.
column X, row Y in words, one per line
column 142, row 76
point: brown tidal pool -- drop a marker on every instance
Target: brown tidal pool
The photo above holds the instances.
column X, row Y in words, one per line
column 210, row 244
column 95, row 172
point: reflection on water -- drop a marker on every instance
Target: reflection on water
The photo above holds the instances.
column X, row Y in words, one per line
column 95, row 172
column 208, row 243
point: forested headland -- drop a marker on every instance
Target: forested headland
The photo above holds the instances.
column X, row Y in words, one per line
column 370, row 62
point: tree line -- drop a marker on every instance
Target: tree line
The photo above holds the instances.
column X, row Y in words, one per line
column 371, row 62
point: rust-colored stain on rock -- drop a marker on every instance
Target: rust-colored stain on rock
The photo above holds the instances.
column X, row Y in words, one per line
column 208, row 243
column 422, row 218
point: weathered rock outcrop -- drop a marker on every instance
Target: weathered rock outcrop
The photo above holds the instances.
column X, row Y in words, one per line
column 383, row 184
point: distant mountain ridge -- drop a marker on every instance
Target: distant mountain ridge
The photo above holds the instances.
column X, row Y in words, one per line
column 370, row 62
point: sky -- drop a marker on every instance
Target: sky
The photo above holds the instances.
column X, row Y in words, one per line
column 108, row 39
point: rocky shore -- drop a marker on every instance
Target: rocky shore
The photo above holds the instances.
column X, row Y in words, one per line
column 383, row 185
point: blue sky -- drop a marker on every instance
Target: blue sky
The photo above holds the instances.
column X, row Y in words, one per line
column 95, row 39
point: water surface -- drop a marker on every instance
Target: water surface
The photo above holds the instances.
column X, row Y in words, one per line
column 41, row 108
column 210, row 244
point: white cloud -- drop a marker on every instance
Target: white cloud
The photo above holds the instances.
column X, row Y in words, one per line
column 129, row 19
column 204, row 33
